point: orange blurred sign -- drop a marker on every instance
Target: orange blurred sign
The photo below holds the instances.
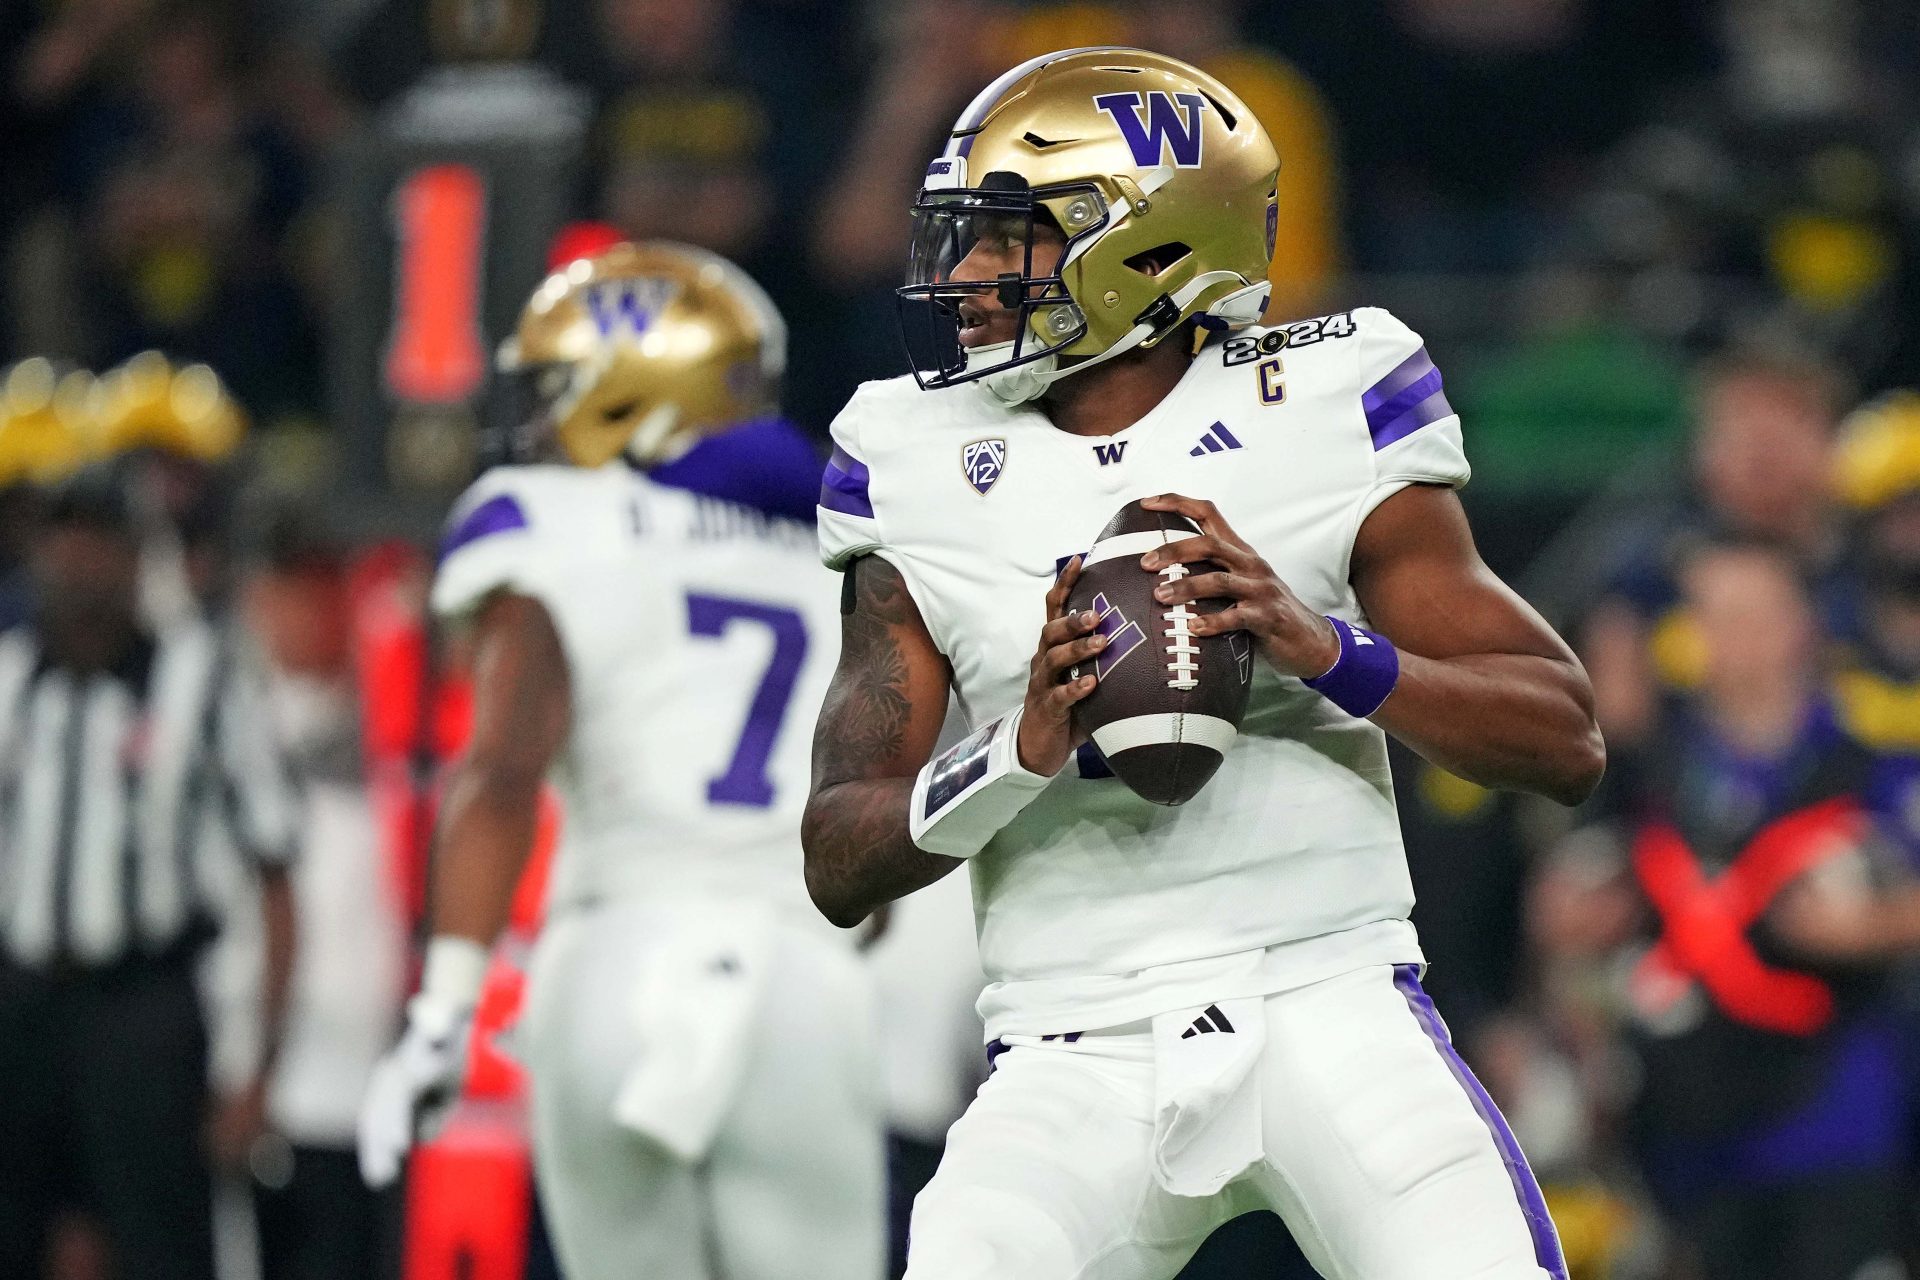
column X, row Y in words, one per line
column 437, row 355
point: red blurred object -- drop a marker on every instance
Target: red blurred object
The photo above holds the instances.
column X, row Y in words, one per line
column 412, row 721
column 470, row 1204
column 582, row 240
column 469, row 1191
column 436, row 356
column 1706, row 920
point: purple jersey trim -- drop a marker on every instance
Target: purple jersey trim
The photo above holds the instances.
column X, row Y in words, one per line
column 768, row 465
column 499, row 514
column 843, row 486
column 1404, row 401
column 1533, row 1205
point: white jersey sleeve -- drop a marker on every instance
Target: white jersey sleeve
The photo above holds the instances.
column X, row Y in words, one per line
column 535, row 531
column 848, row 525
column 1415, row 432
column 488, row 545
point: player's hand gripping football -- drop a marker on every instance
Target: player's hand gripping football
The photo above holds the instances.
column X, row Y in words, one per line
column 1295, row 639
column 1047, row 734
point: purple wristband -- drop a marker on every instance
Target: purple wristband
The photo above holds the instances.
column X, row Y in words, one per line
column 1363, row 675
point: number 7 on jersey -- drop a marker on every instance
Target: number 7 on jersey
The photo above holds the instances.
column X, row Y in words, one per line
column 745, row 779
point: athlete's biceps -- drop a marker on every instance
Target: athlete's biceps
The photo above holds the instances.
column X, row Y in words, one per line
column 883, row 709
column 1422, row 583
column 522, row 698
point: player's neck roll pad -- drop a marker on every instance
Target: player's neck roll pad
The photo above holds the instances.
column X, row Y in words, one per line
column 965, row 794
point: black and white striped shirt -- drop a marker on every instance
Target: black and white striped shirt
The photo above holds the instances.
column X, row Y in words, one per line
column 131, row 798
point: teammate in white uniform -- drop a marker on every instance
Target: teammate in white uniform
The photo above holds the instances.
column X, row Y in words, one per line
column 1202, row 1010
column 654, row 630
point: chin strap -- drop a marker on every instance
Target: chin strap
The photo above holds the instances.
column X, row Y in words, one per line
column 1024, row 382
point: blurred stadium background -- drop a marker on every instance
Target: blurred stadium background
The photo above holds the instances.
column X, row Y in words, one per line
column 257, row 253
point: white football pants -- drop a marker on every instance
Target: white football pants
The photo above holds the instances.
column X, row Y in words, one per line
column 792, row 1186
column 1382, row 1153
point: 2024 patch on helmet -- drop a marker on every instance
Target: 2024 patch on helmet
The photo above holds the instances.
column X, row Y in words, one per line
column 644, row 350
column 1158, row 176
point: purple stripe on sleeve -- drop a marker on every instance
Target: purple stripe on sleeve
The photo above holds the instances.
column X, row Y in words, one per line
column 1429, row 410
column 1405, row 400
column 497, row 514
column 843, row 486
column 1533, row 1205
column 1403, row 375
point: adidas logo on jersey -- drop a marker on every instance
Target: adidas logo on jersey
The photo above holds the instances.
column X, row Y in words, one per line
column 1217, row 440
column 1210, row 1020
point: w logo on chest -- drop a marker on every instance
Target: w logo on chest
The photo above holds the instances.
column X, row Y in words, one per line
column 1108, row 454
column 1157, row 122
column 630, row 305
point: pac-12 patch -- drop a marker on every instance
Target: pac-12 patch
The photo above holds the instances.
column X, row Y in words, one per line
column 983, row 461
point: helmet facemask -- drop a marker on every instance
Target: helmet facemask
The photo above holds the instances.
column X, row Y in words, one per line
column 532, row 395
column 1005, row 212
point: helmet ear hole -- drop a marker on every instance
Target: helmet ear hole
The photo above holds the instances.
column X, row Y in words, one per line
column 1155, row 261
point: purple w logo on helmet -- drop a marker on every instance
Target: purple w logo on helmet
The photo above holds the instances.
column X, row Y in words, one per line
column 1162, row 127
column 632, row 304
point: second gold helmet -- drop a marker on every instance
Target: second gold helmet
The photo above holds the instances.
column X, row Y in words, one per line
column 644, row 349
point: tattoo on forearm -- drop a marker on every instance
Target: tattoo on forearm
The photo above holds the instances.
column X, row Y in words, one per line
column 856, row 825
column 864, row 720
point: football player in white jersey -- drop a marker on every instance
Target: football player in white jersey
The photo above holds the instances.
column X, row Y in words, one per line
column 1204, row 1010
column 653, row 631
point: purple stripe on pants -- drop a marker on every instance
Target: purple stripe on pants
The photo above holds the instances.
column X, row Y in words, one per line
column 1546, row 1242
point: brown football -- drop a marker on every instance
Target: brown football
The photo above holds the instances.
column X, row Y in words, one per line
column 1168, row 704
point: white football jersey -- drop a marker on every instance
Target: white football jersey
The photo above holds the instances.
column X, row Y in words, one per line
column 699, row 635
column 1093, row 906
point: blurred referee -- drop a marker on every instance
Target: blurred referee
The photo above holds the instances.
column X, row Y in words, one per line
column 137, row 784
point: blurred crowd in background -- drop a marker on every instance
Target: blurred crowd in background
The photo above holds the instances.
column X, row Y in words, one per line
column 1668, row 255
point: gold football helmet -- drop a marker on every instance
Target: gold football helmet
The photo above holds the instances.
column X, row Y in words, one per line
column 644, row 350
column 44, row 431
column 1158, row 177
column 184, row 410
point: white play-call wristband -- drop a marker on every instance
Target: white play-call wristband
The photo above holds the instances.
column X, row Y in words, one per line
column 454, row 972
column 965, row 794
